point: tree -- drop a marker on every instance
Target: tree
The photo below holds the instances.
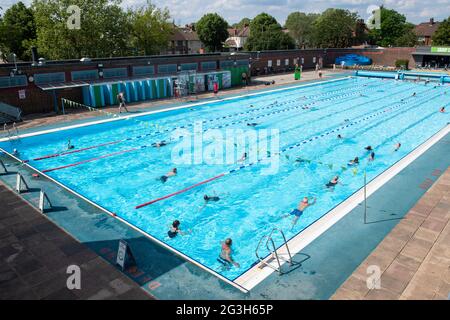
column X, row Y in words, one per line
column 266, row 34
column 103, row 32
column 334, row 28
column 150, row 29
column 17, row 31
column 242, row 23
column 394, row 29
column 442, row 34
column 408, row 38
column 300, row 26
column 212, row 30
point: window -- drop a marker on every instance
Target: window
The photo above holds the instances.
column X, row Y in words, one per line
column 167, row 68
column 115, row 73
column 303, row 60
column 314, row 60
column 269, row 63
column 143, row 70
column 43, row 78
column 286, row 62
column 16, row 81
column 189, row 66
column 209, row 65
column 278, row 62
column 226, row 64
column 85, row 75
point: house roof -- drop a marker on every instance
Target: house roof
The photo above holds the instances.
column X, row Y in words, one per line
column 426, row 29
column 234, row 32
column 184, row 34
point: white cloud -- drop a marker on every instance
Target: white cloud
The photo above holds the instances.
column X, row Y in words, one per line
column 186, row 11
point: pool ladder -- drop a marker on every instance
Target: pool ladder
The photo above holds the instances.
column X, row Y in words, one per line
column 270, row 245
column 9, row 133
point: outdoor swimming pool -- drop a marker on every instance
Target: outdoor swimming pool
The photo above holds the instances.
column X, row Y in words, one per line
column 115, row 166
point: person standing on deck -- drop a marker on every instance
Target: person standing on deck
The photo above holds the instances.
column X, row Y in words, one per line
column 121, row 99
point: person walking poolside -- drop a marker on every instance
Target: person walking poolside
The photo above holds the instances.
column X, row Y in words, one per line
column 121, row 99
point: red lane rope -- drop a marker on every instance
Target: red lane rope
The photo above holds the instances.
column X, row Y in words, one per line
column 180, row 191
column 89, row 160
column 74, row 151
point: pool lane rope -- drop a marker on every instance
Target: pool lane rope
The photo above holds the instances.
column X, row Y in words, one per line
column 146, row 146
column 205, row 122
column 297, row 145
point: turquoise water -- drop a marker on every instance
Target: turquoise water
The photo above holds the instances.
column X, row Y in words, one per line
column 364, row 111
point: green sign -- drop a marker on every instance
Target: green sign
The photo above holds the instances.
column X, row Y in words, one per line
column 440, row 49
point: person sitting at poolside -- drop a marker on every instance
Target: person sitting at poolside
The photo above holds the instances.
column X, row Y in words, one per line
column 354, row 162
column 69, row 145
column 442, row 110
column 252, row 124
column 169, row 174
column 159, row 144
column 397, row 146
column 243, row 158
column 175, row 230
column 368, row 148
column 372, row 156
column 298, row 212
column 333, row 182
column 225, row 257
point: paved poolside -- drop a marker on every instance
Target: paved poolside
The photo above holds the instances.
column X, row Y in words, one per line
column 35, row 254
column 415, row 257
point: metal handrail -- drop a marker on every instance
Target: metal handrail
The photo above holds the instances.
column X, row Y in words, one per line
column 273, row 251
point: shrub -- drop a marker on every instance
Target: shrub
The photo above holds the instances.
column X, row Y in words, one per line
column 402, row 63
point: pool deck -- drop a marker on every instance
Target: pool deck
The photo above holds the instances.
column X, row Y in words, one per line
column 414, row 258
column 35, row 254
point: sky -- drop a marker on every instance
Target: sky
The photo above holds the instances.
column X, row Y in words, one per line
column 187, row 11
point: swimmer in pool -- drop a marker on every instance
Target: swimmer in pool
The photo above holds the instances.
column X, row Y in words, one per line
column 339, row 136
column 175, row 230
column 159, row 144
column 333, row 182
column 414, row 94
column 243, row 158
column 397, row 146
column 442, row 110
column 169, row 174
column 207, row 200
column 225, row 254
column 368, row 148
column 372, row 156
column 69, row 145
column 253, row 124
column 297, row 213
column 15, row 152
column 354, row 162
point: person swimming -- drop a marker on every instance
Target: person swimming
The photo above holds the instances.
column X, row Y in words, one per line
column 368, row 148
column 298, row 212
column 354, row 162
column 252, row 124
column 210, row 198
column 225, row 256
column 69, row 145
column 243, row 158
column 15, row 152
column 161, row 143
column 414, row 94
column 339, row 136
column 175, row 230
column 372, row 156
column 169, row 174
column 333, row 182
column 442, row 110
column 397, row 146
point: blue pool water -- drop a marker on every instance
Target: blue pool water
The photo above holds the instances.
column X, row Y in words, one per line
column 308, row 119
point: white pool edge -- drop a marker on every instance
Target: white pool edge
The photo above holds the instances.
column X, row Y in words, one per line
column 184, row 106
column 258, row 273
